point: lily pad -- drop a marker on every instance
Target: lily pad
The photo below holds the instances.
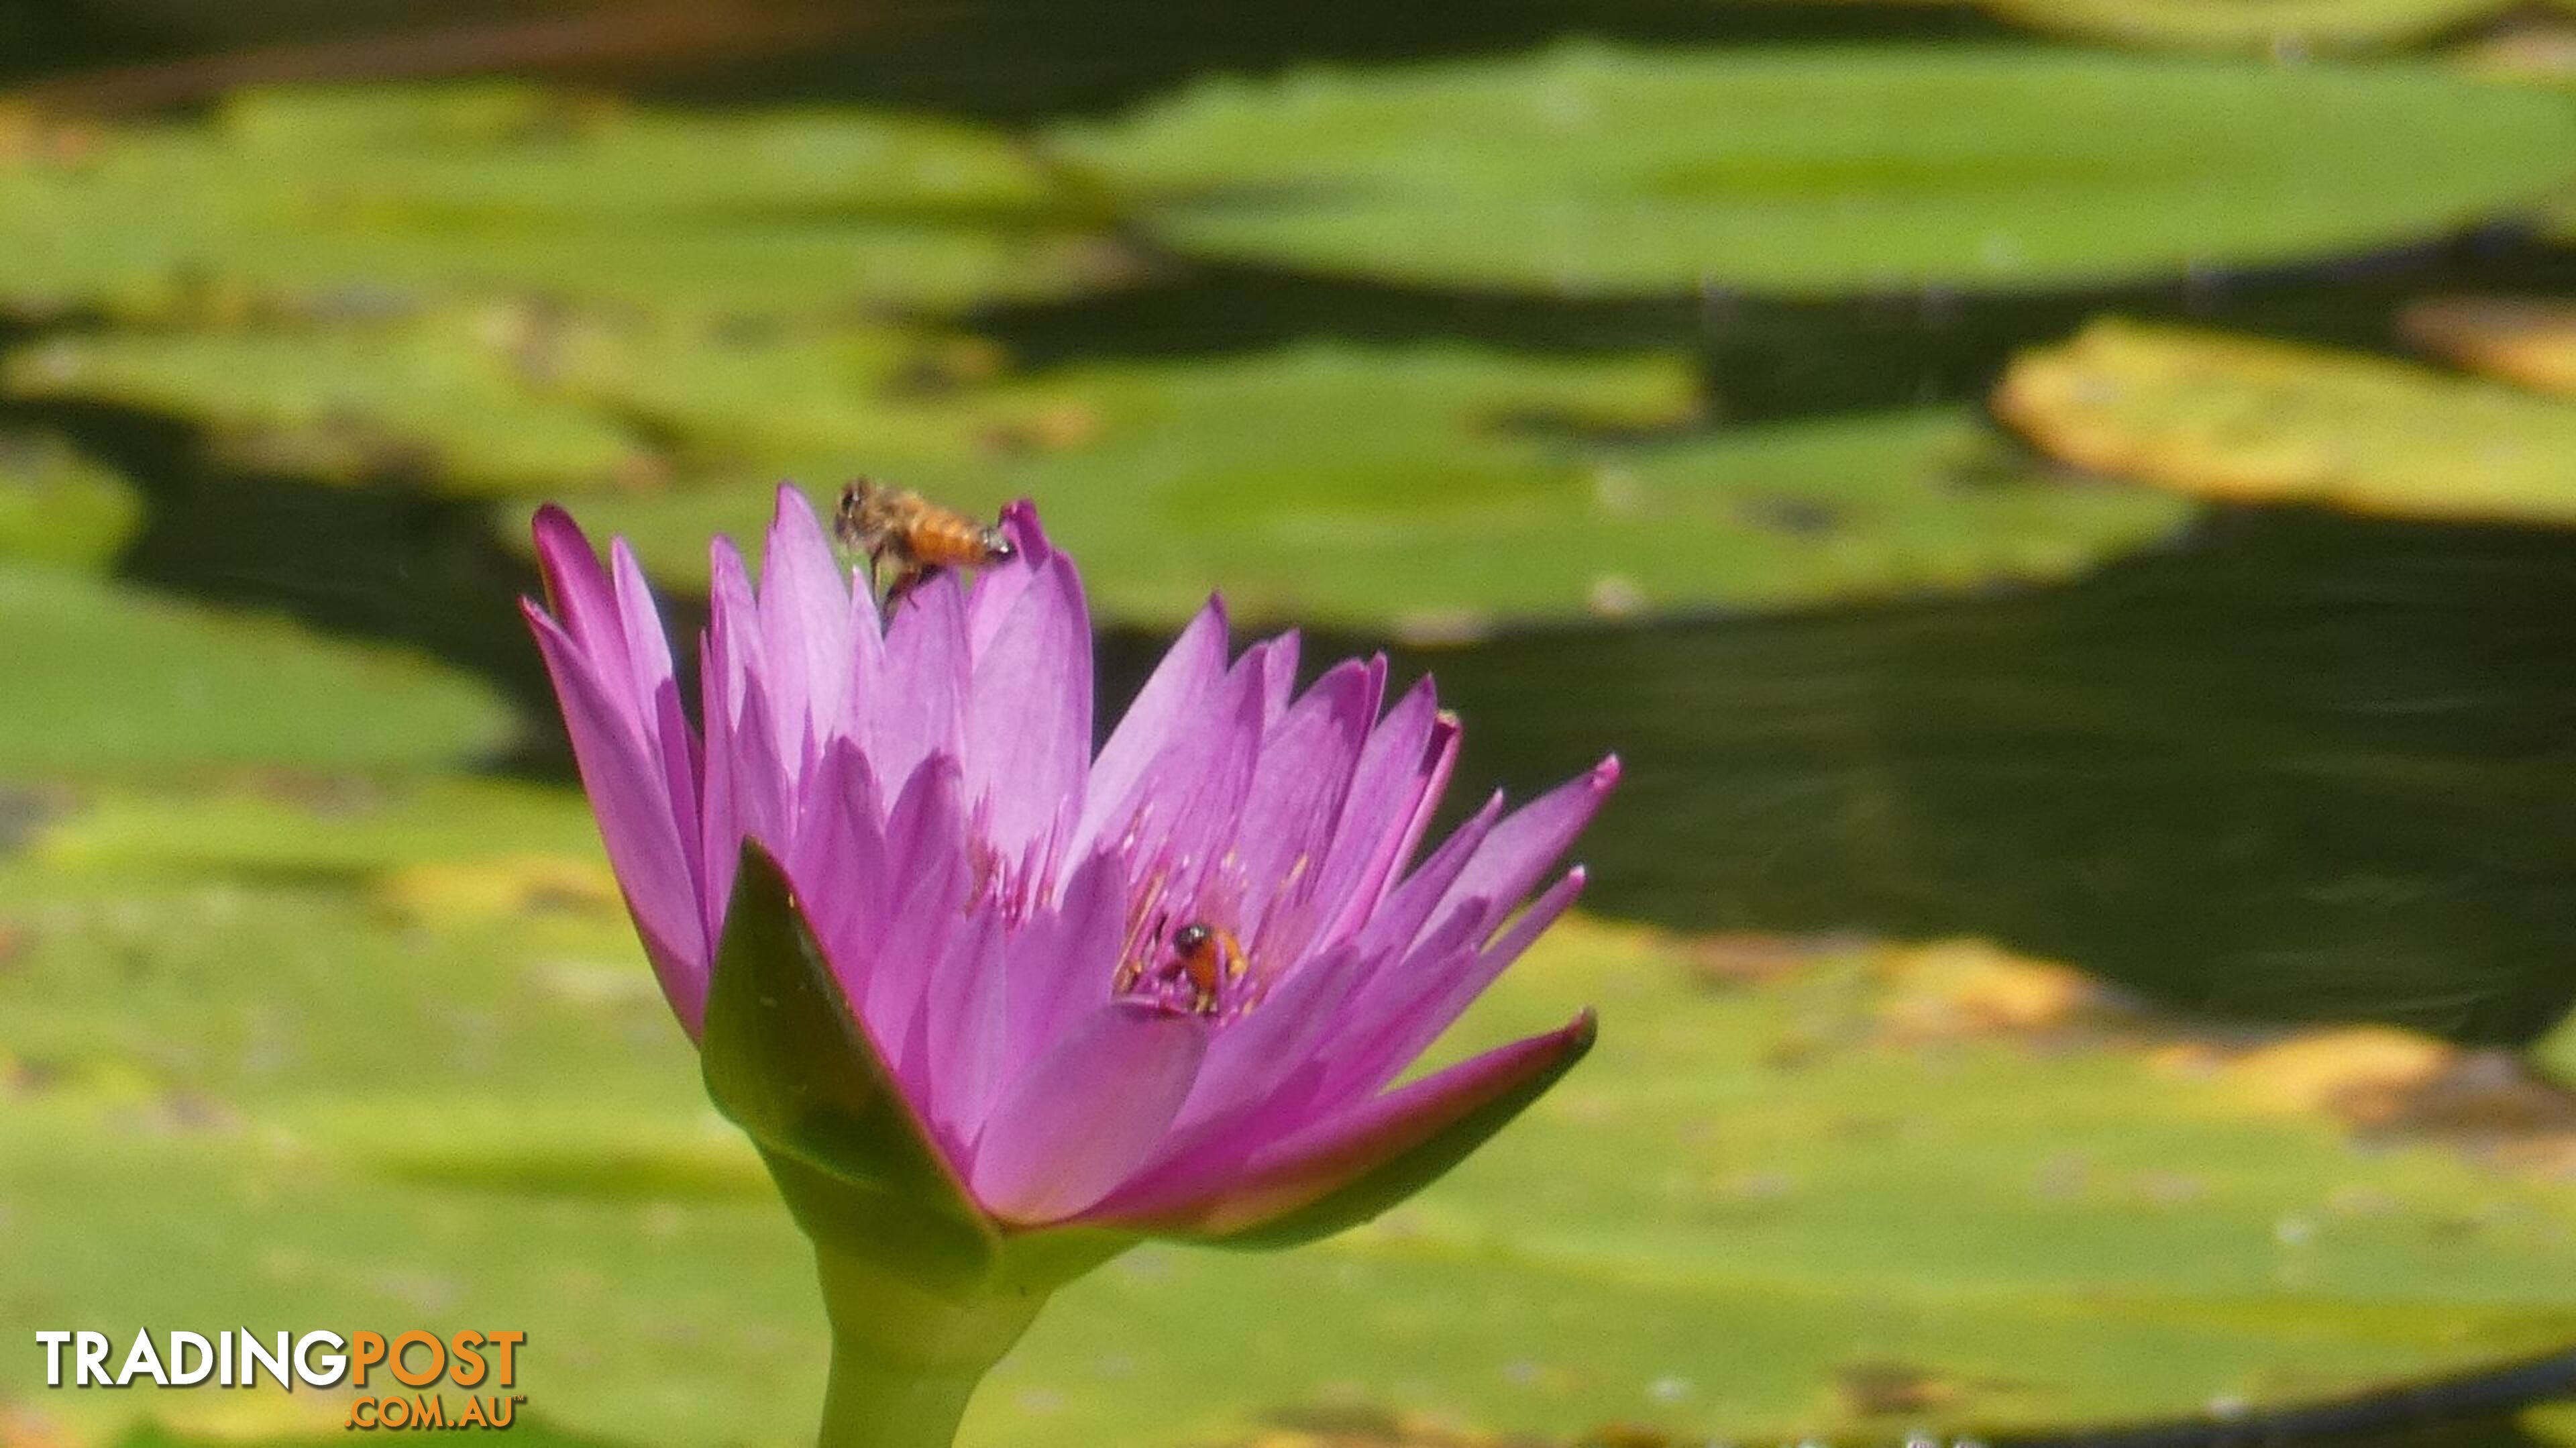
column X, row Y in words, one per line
column 443, row 399
column 1585, row 169
column 1795, row 1199
column 515, row 398
column 1443, row 490
column 2527, row 340
column 58, row 507
column 107, row 680
column 2286, row 28
column 387, row 196
column 2242, row 418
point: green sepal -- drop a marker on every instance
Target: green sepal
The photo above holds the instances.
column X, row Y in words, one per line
column 1410, row 1170
column 787, row 1060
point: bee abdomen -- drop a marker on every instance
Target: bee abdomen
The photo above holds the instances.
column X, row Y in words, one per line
column 957, row 543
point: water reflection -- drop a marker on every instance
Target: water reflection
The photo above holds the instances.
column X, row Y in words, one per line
column 2306, row 766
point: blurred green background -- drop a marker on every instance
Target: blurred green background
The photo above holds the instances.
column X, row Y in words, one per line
column 2063, row 505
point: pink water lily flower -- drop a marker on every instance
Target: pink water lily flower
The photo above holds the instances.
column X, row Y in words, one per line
column 1167, row 988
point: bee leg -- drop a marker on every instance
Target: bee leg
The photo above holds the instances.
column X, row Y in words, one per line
column 913, row 576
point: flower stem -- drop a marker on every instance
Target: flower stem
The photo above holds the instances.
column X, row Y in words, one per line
column 906, row 1358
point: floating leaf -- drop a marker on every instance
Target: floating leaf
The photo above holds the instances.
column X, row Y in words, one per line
column 306, row 826
column 444, row 398
column 2241, row 418
column 517, row 398
column 1442, row 488
column 2287, row 28
column 107, row 680
column 1587, row 169
column 386, row 196
column 59, row 507
column 2529, row 340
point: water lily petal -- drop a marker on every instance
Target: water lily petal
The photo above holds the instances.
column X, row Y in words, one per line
column 967, row 1029
column 1087, row 1114
column 1028, row 711
column 927, row 861
column 839, row 862
column 919, row 709
column 1406, row 1008
column 1170, row 702
column 636, row 822
column 667, row 730
column 805, row 628
column 1532, row 839
column 1062, row 960
column 1394, row 788
column 1297, row 786
column 997, row 590
column 1356, row 1164
column 583, row 601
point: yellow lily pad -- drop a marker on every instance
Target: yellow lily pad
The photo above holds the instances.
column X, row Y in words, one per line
column 2252, row 420
column 2525, row 340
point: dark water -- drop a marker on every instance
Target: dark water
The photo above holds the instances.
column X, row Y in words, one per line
column 2302, row 766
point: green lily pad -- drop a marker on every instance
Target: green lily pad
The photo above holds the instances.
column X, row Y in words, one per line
column 1585, row 169
column 510, row 398
column 445, row 398
column 2263, row 27
column 305, row 826
column 2242, row 418
column 1443, row 489
column 384, row 196
column 1845, row 1191
column 57, row 507
column 106, row 680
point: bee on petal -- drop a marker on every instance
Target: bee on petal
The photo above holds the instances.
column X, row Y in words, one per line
column 921, row 538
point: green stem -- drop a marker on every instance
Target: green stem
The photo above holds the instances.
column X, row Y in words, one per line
column 906, row 1358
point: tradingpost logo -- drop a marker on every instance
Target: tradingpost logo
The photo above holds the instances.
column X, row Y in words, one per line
column 475, row 1363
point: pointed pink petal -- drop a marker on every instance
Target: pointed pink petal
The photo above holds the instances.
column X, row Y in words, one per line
column 1408, row 907
column 1171, row 701
column 967, row 1030
column 1394, row 789
column 1297, row 787
column 719, row 836
column 668, row 736
column 804, row 610
column 1277, row 659
column 1028, row 714
column 919, row 709
column 1407, row 1008
column 1087, row 1114
column 1528, row 843
column 636, row 822
column 578, row 591
column 927, row 861
column 1062, row 961
column 997, row 590
column 1363, row 1160
column 840, row 866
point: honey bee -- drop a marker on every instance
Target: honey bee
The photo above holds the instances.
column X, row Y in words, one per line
column 1208, row 957
column 922, row 538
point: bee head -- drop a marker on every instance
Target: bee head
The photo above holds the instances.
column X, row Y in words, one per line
column 999, row 547
column 1190, row 939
